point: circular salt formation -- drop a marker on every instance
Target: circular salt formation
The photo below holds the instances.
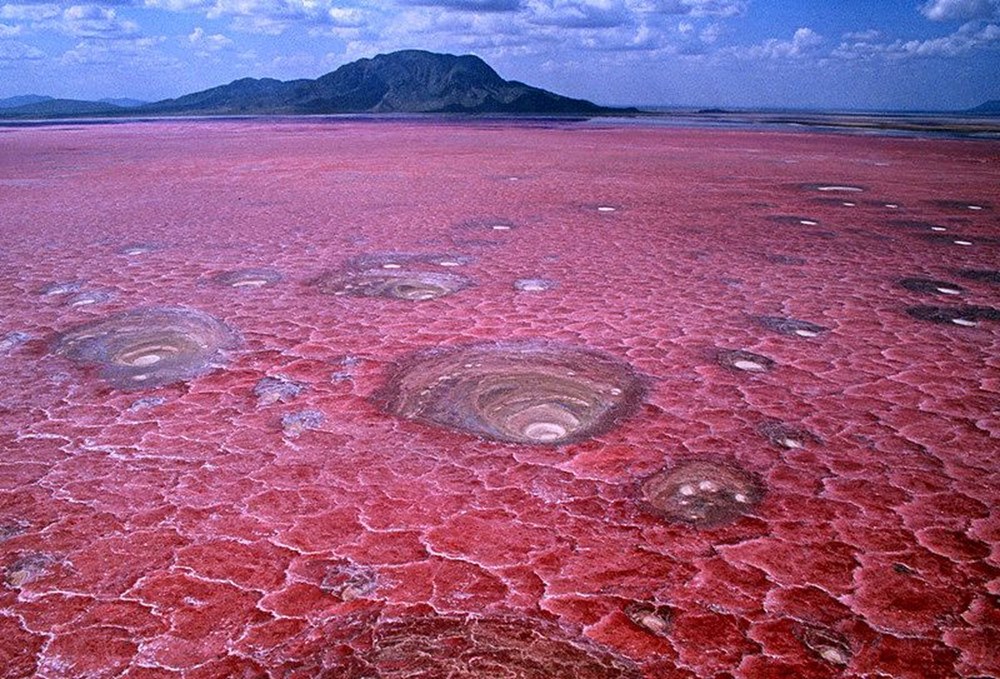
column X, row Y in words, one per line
column 89, row 298
column 966, row 315
column 790, row 326
column 747, row 361
column 701, row 493
column 930, row 286
column 980, row 275
column 413, row 286
column 247, row 278
column 833, row 187
column 500, row 224
column 54, row 289
column 961, row 205
column 408, row 260
column 522, row 392
column 786, row 436
column 148, row 347
column 794, row 220
column 473, row 647
column 847, row 189
column 136, row 249
column 533, row 284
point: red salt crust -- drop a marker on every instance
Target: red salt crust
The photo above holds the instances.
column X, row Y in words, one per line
column 161, row 533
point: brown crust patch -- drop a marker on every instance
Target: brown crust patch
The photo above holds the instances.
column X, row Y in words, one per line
column 533, row 392
column 147, row 347
column 701, row 493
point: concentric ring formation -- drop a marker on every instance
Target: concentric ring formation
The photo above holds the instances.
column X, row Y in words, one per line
column 789, row 326
column 148, row 347
column 412, row 286
column 520, row 392
column 701, row 493
column 248, row 278
column 412, row 277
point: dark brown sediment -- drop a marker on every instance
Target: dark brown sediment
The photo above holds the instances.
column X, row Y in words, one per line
column 147, row 347
column 532, row 392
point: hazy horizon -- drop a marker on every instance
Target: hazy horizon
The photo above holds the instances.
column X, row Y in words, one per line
column 902, row 55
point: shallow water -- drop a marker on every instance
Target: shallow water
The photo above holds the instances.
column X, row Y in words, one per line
column 797, row 479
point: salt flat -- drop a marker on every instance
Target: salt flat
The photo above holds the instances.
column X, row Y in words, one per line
column 435, row 399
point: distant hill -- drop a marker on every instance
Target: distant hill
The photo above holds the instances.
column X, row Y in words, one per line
column 410, row 81
column 61, row 108
column 991, row 107
column 13, row 102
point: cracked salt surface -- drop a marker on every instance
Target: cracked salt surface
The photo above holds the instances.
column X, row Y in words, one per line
column 716, row 448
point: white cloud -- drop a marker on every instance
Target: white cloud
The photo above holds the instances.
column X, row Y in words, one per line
column 29, row 12
column 869, row 35
column 8, row 31
column 578, row 13
column 91, row 21
column 11, row 50
column 804, row 42
column 208, row 43
column 470, row 5
column 696, row 8
column 971, row 36
column 961, row 10
column 131, row 51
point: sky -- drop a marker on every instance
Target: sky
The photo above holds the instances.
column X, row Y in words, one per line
column 829, row 54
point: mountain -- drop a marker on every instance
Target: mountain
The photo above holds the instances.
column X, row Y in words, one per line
column 410, row 81
column 60, row 108
column 13, row 102
column 991, row 108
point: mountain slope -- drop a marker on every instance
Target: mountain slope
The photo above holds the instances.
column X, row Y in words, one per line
column 22, row 100
column 991, row 107
column 51, row 108
column 410, row 81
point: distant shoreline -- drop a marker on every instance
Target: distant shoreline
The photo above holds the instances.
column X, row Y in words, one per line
column 949, row 125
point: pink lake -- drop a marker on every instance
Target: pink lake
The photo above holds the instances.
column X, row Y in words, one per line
column 395, row 399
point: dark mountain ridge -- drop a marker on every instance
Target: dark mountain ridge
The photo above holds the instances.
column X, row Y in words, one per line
column 410, row 81
column 991, row 107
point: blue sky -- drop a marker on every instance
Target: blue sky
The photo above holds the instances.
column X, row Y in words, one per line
column 874, row 54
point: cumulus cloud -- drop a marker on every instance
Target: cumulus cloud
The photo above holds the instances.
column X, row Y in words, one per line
column 579, row 13
column 961, row 10
column 26, row 12
column 971, row 36
column 698, row 8
column 92, row 21
column 208, row 43
column 134, row 51
column 470, row 5
column 804, row 42
column 12, row 50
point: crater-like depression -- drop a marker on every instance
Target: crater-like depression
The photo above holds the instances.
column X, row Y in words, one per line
column 148, row 347
column 701, row 493
column 529, row 392
column 412, row 286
